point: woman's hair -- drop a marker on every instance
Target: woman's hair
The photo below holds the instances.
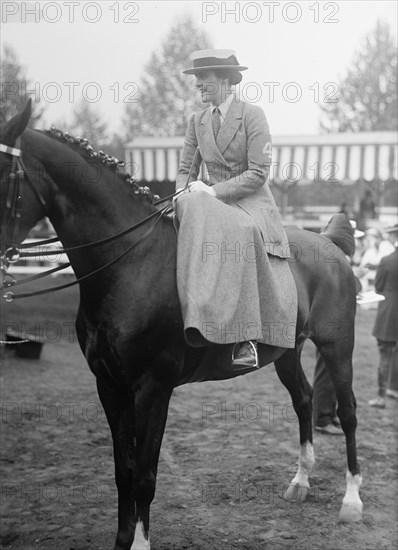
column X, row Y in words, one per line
column 233, row 75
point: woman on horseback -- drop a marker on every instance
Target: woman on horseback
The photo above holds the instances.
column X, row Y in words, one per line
column 234, row 281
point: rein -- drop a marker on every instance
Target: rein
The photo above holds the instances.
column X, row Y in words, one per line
column 10, row 296
column 94, row 243
column 13, row 205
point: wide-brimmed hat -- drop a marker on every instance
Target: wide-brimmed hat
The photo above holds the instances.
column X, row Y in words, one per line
column 205, row 60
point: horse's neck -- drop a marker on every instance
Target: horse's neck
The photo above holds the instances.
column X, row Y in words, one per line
column 89, row 202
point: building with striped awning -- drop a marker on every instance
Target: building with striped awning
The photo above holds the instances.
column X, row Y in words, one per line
column 346, row 164
column 345, row 158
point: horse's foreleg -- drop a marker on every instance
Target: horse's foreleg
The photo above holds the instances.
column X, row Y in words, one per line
column 289, row 370
column 338, row 360
column 151, row 407
column 137, row 419
column 119, row 409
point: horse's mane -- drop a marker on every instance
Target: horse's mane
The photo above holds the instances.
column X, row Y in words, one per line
column 87, row 152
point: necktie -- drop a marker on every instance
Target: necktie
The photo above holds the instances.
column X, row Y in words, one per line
column 216, row 121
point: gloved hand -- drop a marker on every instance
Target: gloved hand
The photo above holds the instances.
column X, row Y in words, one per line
column 179, row 193
column 200, row 186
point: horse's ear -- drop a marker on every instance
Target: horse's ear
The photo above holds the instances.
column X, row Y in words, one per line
column 16, row 126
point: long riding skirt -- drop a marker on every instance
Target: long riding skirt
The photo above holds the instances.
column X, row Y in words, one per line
column 230, row 289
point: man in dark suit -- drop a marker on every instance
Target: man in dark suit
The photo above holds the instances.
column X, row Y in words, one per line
column 386, row 324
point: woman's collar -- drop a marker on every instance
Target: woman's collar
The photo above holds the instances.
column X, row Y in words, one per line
column 225, row 105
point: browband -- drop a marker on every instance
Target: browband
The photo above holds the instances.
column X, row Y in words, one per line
column 10, row 150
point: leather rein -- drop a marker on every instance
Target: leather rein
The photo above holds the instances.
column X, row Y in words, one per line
column 13, row 208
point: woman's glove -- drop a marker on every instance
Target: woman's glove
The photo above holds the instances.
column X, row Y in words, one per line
column 178, row 194
column 200, row 186
column 192, row 187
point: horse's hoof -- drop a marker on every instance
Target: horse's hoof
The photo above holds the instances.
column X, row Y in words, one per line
column 351, row 512
column 296, row 493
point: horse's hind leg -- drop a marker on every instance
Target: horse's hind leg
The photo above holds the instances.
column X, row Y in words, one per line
column 338, row 358
column 289, row 370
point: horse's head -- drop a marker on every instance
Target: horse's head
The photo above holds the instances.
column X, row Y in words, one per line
column 22, row 185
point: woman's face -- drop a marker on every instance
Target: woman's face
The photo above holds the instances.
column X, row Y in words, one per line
column 211, row 87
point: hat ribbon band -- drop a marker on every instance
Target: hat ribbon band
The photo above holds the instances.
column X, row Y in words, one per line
column 215, row 61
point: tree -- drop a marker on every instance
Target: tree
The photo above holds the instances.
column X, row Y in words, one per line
column 367, row 99
column 14, row 88
column 115, row 146
column 167, row 97
column 87, row 123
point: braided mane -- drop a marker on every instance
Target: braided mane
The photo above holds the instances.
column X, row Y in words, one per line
column 82, row 146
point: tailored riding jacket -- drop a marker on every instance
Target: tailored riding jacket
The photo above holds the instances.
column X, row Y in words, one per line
column 238, row 164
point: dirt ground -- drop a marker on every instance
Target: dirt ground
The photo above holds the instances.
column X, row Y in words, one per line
column 229, row 450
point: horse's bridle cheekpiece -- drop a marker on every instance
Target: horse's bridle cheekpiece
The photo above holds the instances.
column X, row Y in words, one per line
column 207, row 60
column 13, row 204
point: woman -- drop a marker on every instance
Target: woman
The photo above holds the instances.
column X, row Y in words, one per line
column 234, row 281
column 376, row 249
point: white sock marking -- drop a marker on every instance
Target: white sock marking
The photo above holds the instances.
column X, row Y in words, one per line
column 306, row 463
column 352, row 492
column 140, row 542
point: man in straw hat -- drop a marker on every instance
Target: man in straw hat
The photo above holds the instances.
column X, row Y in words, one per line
column 386, row 324
column 234, row 281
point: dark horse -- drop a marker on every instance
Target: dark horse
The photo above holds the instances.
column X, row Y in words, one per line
column 129, row 322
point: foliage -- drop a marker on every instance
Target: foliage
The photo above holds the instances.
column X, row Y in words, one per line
column 166, row 96
column 14, row 88
column 87, row 123
column 368, row 94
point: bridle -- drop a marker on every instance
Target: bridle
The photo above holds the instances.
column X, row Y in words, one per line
column 13, row 204
column 12, row 215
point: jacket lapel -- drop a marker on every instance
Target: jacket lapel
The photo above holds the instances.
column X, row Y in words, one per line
column 230, row 125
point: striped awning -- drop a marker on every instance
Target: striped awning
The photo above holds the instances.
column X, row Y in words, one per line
column 344, row 158
column 154, row 159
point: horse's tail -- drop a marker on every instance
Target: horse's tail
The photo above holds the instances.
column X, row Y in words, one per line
column 340, row 231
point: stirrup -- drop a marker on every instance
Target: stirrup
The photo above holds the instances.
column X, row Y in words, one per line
column 250, row 362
